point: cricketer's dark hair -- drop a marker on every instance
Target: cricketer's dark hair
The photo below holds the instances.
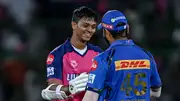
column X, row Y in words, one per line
column 122, row 33
column 84, row 12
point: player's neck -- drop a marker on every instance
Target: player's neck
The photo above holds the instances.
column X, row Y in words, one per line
column 122, row 38
column 78, row 43
column 119, row 38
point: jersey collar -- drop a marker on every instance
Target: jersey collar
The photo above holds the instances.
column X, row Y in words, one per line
column 72, row 49
column 122, row 42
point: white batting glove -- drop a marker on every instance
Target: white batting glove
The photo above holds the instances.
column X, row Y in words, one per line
column 78, row 84
column 53, row 95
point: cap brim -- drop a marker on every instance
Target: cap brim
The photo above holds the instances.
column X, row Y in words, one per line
column 99, row 26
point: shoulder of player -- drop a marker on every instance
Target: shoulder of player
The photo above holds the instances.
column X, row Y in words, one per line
column 58, row 52
column 147, row 52
column 103, row 55
column 95, row 48
column 58, row 49
column 54, row 56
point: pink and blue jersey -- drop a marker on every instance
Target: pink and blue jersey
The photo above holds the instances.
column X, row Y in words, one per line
column 64, row 64
column 124, row 72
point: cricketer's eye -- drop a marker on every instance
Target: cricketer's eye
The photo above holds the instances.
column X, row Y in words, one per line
column 86, row 25
column 93, row 26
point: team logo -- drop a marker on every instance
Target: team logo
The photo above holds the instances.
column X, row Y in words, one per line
column 94, row 65
column 50, row 59
column 132, row 64
column 73, row 63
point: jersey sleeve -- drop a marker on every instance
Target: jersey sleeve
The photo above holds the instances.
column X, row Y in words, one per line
column 155, row 78
column 95, row 48
column 99, row 50
column 97, row 75
column 54, row 66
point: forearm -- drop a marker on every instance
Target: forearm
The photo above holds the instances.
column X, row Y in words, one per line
column 155, row 92
column 90, row 96
column 53, row 92
column 66, row 89
column 63, row 88
column 58, row 91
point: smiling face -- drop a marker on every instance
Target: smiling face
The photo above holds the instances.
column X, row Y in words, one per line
column 84, row 28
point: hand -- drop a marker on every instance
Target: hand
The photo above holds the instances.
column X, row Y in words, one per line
column 78, row 84
column 50, row 94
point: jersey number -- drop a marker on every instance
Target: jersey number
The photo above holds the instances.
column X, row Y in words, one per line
column 131, row 90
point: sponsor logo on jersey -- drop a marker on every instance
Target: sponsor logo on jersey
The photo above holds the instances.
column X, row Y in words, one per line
column 94, row 65
column 50, row 59
column 50, row 71
column 71, row 76
column 91, row 78
column 132, row 64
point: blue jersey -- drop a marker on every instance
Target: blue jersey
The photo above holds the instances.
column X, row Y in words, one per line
column 124, row 72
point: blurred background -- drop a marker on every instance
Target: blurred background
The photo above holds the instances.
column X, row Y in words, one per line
column 30, row 29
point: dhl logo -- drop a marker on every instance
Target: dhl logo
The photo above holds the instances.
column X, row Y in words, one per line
column 132, row 64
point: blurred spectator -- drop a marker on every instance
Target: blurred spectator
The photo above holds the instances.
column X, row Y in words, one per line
column 20, row 9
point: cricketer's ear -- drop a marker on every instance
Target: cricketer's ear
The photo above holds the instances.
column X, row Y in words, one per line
column 127, row 30
column 74, row 25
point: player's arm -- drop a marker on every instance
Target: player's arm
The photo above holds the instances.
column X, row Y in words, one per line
column 155, row 90
column 91, row 96
column 54, row 78
column 96, row 80
column 56, row 90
